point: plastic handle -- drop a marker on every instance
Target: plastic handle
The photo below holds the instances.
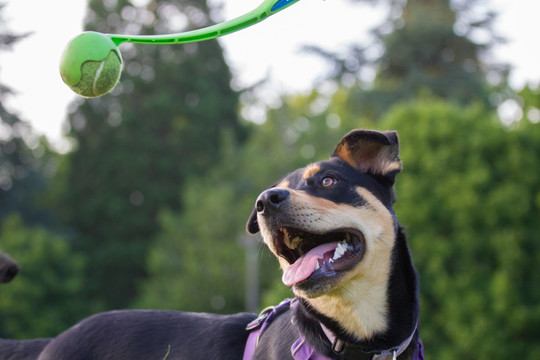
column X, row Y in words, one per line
column 267, row 8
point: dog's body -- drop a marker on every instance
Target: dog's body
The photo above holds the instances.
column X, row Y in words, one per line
column 332, row 227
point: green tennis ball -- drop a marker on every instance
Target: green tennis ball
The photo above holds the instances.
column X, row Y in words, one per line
column 91, row 64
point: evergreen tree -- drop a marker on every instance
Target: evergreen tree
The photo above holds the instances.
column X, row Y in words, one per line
column 435, row 47
column 136, row 146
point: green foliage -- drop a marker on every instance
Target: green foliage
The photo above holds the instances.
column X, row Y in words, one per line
column 469, row 195
column 197, row 261
column 530, row 98
column 43, row 299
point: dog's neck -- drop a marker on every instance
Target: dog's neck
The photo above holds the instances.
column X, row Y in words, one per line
column 380, row 318
column 360, row 310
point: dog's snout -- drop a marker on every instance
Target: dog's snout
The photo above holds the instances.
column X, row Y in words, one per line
column 271, row 200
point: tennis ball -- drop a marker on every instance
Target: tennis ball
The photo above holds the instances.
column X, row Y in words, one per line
column 91, row 64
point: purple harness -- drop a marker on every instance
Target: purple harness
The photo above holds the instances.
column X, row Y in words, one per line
column 301, row 350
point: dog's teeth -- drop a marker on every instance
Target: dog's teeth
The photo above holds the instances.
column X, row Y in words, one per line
column 291, row 243
column 340, row 250
column 346, row 242
column 286, row 239
column 317, row 266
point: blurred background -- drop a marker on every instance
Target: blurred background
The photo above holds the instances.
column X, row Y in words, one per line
column 139, row 199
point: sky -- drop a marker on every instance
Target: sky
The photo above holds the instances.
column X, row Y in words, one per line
column 270, row 48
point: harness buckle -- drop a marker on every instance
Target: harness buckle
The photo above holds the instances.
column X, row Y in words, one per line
column 255, row 324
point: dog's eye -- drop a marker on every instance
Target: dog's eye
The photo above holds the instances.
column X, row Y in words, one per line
column 328, row 181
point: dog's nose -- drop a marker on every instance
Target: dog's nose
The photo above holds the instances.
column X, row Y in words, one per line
column 271, row 200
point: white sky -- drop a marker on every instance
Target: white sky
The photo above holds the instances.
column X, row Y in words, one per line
column 270, row 47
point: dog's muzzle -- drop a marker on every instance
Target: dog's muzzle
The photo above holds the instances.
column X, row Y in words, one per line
column 310, row 254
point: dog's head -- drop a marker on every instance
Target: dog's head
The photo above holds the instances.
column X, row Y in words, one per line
column 332, row 222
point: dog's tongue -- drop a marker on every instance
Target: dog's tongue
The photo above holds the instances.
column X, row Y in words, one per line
column 305, row 265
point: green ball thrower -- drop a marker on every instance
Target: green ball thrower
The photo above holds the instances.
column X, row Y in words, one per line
column 91, row 64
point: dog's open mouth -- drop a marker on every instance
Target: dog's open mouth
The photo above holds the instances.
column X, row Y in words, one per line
column 308, row 253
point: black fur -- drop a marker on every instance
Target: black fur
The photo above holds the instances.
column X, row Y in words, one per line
column 147, row 335
column 22, row 350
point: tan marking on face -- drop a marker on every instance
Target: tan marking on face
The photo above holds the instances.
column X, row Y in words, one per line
column 359, row 303
column 311, row 170
column 283, row 184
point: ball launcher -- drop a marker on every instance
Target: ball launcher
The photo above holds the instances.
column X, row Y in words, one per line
column 91, row 64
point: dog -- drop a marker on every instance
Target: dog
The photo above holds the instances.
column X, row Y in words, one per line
column 8, row 268
column 332, row 227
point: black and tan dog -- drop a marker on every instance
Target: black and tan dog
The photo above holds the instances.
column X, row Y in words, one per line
column 333, row 229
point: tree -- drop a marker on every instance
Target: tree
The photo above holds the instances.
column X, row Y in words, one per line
column 429, row 47
column 197, row 260
column 135, row 147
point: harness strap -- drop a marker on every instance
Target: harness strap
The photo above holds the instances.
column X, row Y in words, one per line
column 251, row 344
column 257, row 326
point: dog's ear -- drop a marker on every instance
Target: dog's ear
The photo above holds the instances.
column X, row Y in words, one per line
column 252, row 225
column 371, row 151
